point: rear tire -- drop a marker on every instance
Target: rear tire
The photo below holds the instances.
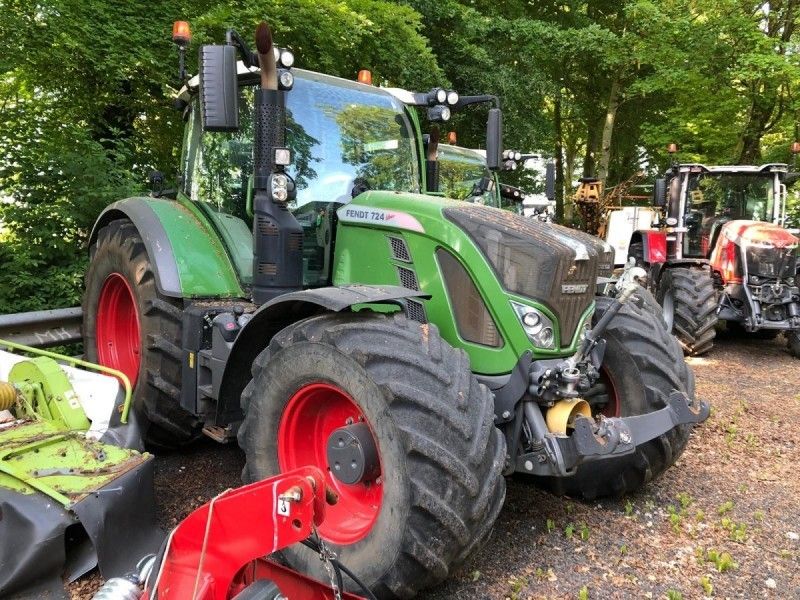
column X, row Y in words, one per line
column 441, row 457
column 643, row 364
column 120, row 252
column 689, row 303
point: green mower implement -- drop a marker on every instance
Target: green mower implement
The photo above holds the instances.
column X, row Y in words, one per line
column 74, row 491
column 300, row 292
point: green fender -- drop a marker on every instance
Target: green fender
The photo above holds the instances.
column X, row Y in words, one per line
column 186, row 250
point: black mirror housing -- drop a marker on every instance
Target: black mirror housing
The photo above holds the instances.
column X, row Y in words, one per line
column 494, row 139
column 660, row 192
column 219, row 88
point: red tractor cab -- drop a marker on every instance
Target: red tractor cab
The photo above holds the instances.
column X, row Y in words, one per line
column 720, row 250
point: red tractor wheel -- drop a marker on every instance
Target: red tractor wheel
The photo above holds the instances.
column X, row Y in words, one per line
column 308, row 435
column 129, row 326
column 118, row 336
column 402, row 428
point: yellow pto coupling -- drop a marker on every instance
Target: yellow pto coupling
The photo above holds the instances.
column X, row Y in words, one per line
column 563, row 413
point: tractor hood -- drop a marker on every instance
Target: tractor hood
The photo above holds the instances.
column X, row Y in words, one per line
column 505, row 253
column 759, row 233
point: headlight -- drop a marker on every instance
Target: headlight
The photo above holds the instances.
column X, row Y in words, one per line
column 287, row 58
column 286, row 79
column 537, row 325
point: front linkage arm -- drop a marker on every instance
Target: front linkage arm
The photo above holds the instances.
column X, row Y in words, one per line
column 560, row 455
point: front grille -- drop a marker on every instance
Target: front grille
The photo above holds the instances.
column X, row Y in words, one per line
column 770, row 263
column 541, row 261
column 407, row 278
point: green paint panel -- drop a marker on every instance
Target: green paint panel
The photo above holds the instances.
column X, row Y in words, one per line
column 47, row 394
column 39, row 456
column 363, row 255
column 204, row 267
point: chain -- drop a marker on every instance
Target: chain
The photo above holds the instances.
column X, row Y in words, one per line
column 325, row 555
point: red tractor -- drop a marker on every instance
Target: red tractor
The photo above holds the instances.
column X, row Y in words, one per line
column 719, row 250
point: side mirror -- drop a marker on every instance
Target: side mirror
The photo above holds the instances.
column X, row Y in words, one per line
column 660, row 192
column 219, row 88
column 494, row 139
column 550, row 181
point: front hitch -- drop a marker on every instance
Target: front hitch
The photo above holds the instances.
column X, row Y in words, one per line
column 560, row 455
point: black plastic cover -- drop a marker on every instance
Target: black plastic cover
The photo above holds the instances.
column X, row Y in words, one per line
column 219, row 88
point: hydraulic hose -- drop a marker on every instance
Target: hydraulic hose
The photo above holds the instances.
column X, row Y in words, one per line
column 8, row 395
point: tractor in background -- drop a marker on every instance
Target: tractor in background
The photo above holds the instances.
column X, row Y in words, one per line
column 719, row 251
column 300, row 292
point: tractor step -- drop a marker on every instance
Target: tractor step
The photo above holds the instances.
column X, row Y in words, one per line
column 222, row 435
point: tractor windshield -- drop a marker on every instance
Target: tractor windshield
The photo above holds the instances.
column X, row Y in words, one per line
column 715, row 198
column 340, row 133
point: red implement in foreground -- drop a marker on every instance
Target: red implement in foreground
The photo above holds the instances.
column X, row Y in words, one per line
column 218, row 550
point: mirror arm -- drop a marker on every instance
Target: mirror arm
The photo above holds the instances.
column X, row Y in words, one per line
column 249, row 58
column 483, row 98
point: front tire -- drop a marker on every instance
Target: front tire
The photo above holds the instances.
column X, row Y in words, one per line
column 643, row 364
column 439, row 488
column 689, row 303
column 131, row 327
column 793, row 343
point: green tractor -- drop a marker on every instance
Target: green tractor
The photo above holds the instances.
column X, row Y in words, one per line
column 300, row 292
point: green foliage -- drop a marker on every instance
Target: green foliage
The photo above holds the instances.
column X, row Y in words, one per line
column 601, row 85
column 86, row 110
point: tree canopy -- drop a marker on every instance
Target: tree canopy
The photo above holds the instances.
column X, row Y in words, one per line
column 601, row 86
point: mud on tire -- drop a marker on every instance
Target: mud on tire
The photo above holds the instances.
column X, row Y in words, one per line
column 156, row 395
column 693, row 310
column 644, row 363
column 441, row 455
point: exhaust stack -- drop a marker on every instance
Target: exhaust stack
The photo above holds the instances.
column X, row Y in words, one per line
column 277, row 235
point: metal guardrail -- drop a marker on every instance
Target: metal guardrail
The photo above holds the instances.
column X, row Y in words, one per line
column 43, row 328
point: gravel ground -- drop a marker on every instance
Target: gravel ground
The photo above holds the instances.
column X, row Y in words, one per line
column 722, row 523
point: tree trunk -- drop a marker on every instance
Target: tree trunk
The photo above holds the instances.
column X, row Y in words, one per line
column 608, row 130
column 559, row 156
column 569, row 169
column 592, row 145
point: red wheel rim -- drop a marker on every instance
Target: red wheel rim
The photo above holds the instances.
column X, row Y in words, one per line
column 118, row 334
column 612, row 408
column 312, row 414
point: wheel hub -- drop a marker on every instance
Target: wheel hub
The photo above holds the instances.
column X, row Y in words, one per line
column 118, row 333
column 315, row 420
column 352, row 455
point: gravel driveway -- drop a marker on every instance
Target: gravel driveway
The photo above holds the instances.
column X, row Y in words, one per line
column 722, row 523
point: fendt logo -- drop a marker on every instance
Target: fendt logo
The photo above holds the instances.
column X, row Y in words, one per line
column 574, row 288
column 352, row 213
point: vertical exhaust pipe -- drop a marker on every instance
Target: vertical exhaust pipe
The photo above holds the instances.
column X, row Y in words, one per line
column 277, row 235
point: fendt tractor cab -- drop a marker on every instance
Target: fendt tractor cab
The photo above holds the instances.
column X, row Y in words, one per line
column 298, row 292
column 720, row 251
